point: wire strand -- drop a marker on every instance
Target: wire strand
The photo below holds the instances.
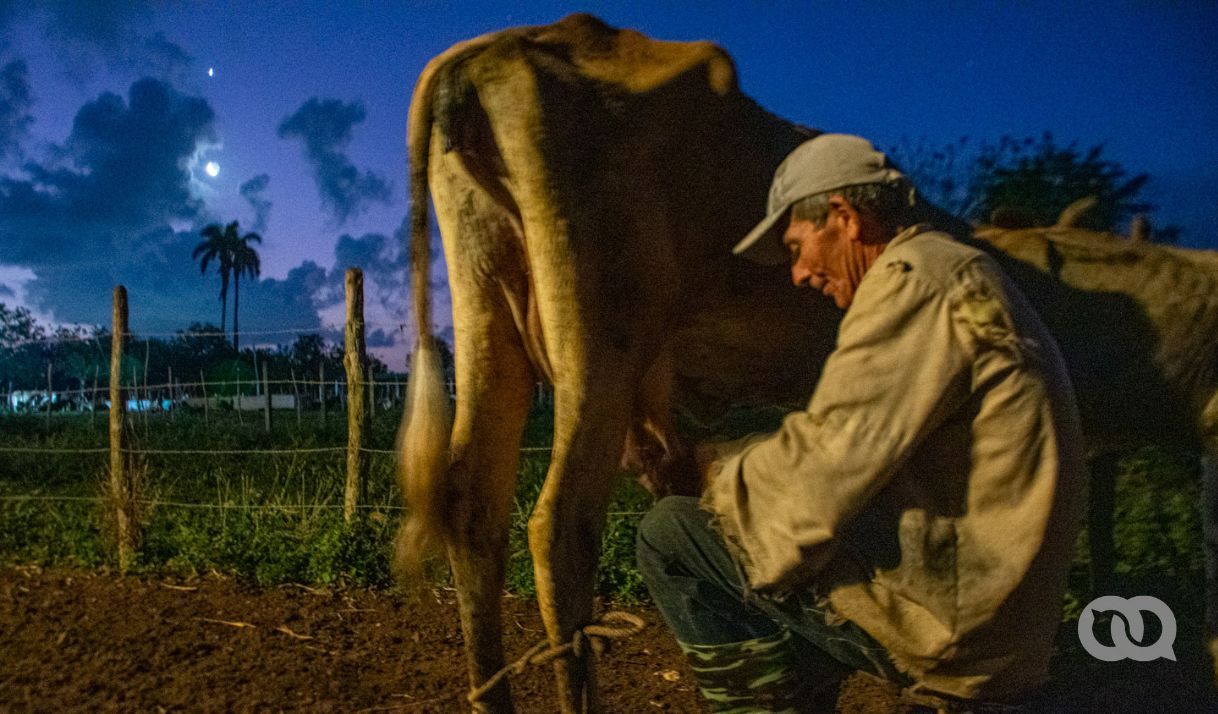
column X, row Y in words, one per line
column 244, row 506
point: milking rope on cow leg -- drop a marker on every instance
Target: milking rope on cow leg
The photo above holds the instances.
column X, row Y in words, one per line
column 595, row 636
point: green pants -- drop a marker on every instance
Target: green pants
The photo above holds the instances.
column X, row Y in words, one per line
column 750, row 654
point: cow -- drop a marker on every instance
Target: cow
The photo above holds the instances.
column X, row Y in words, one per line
column 588, row 184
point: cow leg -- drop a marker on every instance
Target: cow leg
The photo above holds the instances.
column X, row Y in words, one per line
column 1209, row 523
column 1101, row 505
column 602, row 272
column 482, row 477
column 567, row 522
column 495, row 382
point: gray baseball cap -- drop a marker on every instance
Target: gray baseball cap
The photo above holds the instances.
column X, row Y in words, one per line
column 825, row 163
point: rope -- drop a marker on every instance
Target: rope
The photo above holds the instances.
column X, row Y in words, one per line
column 594, row 636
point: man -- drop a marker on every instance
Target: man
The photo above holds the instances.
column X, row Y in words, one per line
column 917, row 520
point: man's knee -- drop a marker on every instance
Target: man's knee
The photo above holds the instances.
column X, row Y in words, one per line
column 664, row 532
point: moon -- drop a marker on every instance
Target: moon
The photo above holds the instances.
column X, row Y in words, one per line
column 212, row 169
column 211, row 71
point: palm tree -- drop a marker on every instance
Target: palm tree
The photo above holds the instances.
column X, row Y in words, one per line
column 219, row 246
column 245, row 261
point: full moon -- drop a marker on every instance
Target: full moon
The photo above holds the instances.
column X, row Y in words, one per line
column 212, row 169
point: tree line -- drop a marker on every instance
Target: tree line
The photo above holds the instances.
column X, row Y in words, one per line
column 80, row 357
column 1027, row 183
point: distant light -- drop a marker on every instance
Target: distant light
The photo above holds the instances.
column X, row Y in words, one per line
column 212, row 169
column 211, row 71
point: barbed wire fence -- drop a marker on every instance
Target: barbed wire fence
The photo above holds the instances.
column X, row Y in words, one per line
column 129, row 396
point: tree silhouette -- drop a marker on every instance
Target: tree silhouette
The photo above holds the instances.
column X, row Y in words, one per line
column 1033, row 181
column 220, row 245
column 1027, row 182
column 18, row 326
column 245, row 262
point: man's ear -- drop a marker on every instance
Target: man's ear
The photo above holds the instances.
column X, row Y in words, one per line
column 846, row 215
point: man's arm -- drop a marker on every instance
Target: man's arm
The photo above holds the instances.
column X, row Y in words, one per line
column 899, row 369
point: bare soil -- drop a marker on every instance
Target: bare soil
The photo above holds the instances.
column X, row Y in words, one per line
column 74, row 640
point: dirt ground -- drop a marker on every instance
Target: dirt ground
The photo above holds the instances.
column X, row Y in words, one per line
column 87, row 641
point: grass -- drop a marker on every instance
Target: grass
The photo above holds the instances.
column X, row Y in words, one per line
column 255, row 516
column 264, row 518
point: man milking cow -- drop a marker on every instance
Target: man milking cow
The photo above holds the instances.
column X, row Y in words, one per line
column 916, row 521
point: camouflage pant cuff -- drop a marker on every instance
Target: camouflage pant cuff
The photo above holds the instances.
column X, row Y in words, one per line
column 758, row 675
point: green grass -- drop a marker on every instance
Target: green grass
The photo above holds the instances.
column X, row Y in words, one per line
column 254, row 516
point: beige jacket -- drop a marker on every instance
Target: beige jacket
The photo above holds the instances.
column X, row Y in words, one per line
column 934, row 487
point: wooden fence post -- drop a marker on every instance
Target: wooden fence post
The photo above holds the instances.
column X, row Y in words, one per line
column 93, row 395
column 173, row 402
column 50, row 396
column 240, row 418
column 321, row 389
column 266, row 391
column 354, row 360
column 121, row 495
column 147, row 393
column 206, row 405
column 296, row 396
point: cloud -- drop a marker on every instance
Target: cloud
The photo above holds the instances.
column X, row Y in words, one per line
column 123, row 171
column 379, row 338
column 384, row 262
column 89, row 33
column 115, row 203
column 106, row 25
column 155, row 55
column 362, row 253
column 325, row 127
column 98, row 210
column 165, row 290
column 292, row 303
column 386, row 265
column 251, row 191
column 15, row 102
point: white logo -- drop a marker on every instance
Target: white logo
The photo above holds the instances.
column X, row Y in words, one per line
column 1127, row 624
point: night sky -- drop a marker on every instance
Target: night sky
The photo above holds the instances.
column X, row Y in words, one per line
column 110, row 113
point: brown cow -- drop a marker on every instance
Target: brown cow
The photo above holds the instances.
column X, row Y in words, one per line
column 589, row 183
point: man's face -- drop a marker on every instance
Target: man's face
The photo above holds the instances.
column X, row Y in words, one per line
column 824, row 258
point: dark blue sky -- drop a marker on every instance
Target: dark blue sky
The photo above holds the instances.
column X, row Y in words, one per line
column 108, row 117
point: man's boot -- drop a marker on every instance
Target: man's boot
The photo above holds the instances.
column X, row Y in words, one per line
column 765, row 674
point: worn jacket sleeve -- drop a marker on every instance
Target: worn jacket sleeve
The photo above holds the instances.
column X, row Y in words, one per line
column 899, row 368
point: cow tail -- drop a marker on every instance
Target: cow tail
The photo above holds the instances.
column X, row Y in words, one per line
column 426, row 428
